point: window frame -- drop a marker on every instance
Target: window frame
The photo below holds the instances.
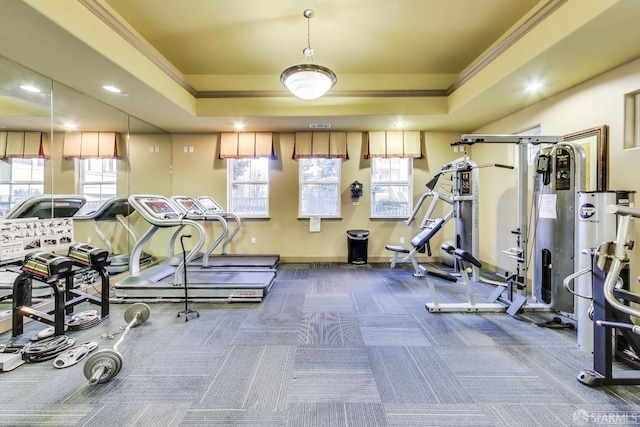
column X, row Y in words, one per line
column 83, row 181
column 231, row 182
column 631, row 138
column 408, row 183
column 337, row 183
column 12, row 182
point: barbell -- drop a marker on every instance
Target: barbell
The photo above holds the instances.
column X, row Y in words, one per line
column 105, row 364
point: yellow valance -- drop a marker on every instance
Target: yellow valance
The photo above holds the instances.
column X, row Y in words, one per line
column 92, row 145
column 24, row 145
column 388, row 144
column 246, row 145
column 323, row 145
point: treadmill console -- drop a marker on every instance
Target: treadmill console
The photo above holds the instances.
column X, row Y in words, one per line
column 210, row 205
column 188, row 205
column 159, row 208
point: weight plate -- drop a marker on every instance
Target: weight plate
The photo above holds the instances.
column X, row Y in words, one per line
column 46, row 333
column 73, row 355
column 43, row 353
column 141, row 309
column 107, row 360
column 84, row 320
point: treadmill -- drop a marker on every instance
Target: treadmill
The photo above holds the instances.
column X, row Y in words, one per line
column 210, row 206
column 190, row 209
column 44, row 206
column 116, row 208
column 164, row 282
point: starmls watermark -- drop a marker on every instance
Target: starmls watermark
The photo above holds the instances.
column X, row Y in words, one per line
column 582, row 417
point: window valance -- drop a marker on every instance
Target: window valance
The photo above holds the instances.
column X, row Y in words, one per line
column 92, row 145
column 246, row 145
column 24, row 145
column 388, row 144
column 323, row 145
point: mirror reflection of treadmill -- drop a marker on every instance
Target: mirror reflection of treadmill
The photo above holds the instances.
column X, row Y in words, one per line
column 165, row 282
column 47, row 206
column 226, row 260
column 116, row 208
column 44, row 206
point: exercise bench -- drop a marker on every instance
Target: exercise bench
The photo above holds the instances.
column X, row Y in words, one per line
column 418, row 244
column 464, row 260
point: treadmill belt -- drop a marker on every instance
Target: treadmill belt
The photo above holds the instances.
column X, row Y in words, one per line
column 231, row 261
column 227, row 279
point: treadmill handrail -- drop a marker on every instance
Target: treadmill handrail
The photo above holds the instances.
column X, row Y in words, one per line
column 158, row 222
column 200, row 215
column 225, row 214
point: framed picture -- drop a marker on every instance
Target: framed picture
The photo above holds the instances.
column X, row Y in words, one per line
column 595, row 143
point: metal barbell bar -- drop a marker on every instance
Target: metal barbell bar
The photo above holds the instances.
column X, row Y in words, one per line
column 105, row 364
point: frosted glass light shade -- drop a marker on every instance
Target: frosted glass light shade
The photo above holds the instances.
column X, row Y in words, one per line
column 308, row 81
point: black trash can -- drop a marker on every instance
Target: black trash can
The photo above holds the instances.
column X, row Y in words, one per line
column 357, row 241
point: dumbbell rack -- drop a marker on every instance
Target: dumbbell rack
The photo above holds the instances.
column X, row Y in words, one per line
column 53, row 269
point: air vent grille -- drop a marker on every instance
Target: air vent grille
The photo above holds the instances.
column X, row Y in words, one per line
column 320, row 125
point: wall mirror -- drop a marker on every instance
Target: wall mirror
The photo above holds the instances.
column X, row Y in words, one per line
column 57, row 111
column 596, row 147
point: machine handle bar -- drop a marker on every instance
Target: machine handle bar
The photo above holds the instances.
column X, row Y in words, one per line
column 623, row 210
column 619, row 258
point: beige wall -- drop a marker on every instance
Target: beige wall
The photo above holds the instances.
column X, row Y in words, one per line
column 200, row 172
column 173, row 170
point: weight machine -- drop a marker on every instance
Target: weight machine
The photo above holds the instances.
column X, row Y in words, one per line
column 457, row 186
column 513, row 293
column 560, row 175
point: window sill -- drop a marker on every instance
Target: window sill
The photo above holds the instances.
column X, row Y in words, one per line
column 323, row 218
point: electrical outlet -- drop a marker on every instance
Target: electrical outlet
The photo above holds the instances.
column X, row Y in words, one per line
column 89, row 240
column 151, row 149
column 191, row 149
column 402, row 240
column 157, row 149
column 253, row 240
column 184, row 149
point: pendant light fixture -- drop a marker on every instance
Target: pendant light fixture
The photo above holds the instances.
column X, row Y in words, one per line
column 308, row 81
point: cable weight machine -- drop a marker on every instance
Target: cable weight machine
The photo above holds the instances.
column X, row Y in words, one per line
column 513, row 293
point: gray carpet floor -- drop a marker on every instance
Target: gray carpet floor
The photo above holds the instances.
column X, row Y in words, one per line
column 331, row 345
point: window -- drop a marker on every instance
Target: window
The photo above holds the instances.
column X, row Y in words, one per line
column 632, row 120
column 19, row 180
column 248, row 187
column 97, row 182
column 319, row 187
column 391, row 187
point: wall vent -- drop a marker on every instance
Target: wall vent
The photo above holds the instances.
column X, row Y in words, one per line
column 320, row 125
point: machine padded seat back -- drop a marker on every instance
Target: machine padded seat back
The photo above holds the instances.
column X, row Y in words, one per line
column 418, row 244
column 425, row 235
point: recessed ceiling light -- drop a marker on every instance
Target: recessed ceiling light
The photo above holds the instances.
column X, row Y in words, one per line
column 534, row 87
column 70, row 126
column 30, row 88
column 111, row 89
column 238, row 126
column 399, row 124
